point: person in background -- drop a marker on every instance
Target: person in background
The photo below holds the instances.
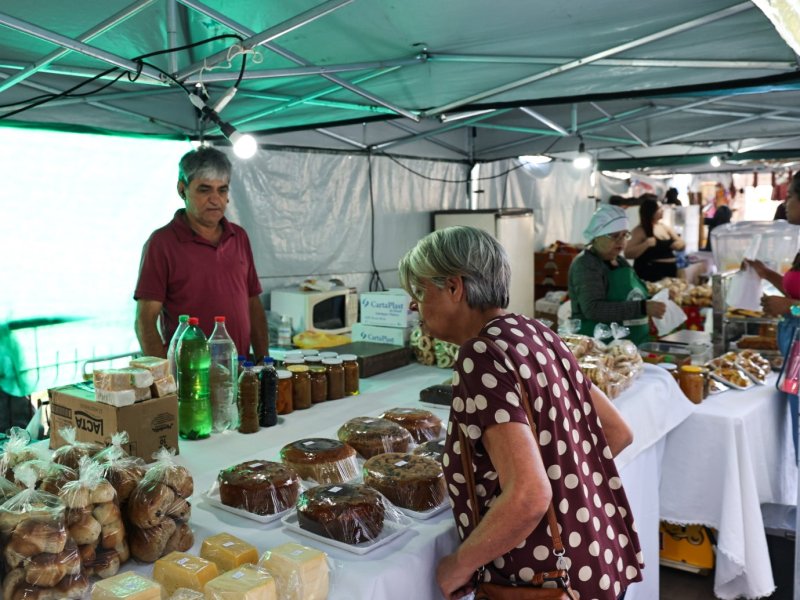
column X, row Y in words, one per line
column 671, row 197
column 459, row 281
column 603, row 288
column 653, row 244
column 722, row 215
column 780, row 212
column 787, row 284
column 200, row 264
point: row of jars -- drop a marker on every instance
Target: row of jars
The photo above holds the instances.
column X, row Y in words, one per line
column 308, row 379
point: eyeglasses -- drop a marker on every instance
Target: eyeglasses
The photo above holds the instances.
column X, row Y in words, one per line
column 621, row 236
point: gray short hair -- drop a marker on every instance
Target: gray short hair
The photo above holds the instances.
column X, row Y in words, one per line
column 467, row 252
column 205, row 162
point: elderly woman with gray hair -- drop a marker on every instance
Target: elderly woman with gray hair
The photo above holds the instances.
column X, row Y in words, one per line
column 527, row 432
column 603, row 287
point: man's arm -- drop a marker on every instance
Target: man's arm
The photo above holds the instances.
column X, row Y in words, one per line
column 147, row 312
column 259, row 335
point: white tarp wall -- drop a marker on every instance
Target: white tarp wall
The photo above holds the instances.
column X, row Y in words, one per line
column 558, row 193
column 309, row 213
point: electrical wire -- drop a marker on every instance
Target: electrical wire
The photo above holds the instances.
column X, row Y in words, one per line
column 423, row 176
column 375, row 281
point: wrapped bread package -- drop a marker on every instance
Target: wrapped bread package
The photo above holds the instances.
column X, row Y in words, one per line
column 116, row 398
column 261, row 487
column 322, row 460
column 39, row 558
column 248, row 582
column 50, row 476
column 370, row 436
column 422, row 424
column 158, row 367
column 127, row 586
column 228, row 552
column 181, row 570
column 126, row 378
column 301, row 573
column 72, row 451
column 407, row 480
column 16, row 451
column 122, row 471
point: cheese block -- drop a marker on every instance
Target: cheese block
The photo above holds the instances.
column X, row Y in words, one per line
column 187, row 594
column 301, row 573
column 127, row 586
column 248, row 582
column 178, row 569
column 228, row 551
column 122, row 379
column 159, row 367
column 115, row 398
column 163, row 386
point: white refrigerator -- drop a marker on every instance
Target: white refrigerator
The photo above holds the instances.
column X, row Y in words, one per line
column 513, row 228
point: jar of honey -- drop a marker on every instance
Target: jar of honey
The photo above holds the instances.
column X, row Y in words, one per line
column 283, row 402
column 692, row 380
column 319, row 383
column 350, row 364
column 301, row 386
column 335, row 372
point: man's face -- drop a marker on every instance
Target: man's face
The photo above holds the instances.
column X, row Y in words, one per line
column 206, row 200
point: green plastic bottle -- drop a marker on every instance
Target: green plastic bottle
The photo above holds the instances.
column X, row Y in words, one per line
column 194, row 363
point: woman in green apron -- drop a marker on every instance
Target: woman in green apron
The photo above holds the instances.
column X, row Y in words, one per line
column 603, row 287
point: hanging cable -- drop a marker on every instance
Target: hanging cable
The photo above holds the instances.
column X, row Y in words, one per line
column 375, row 281
column 423, row 176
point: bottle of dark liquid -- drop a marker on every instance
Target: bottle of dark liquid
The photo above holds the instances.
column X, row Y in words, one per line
column 248, row 399
column 194, row 362
column 268, row 413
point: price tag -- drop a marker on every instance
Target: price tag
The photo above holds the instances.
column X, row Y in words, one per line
column 401, row 463
column 296, row 552
column 183, row 561
column 256, row 465
column 309, row 443
column 335, row 490
column 238, row 575
column 228, row 544
column 368, row 421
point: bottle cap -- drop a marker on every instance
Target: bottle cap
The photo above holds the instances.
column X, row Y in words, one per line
column 348, row 357
column 247, row 363
column 328, row 354
column 311, row 360
column 283, row 374
column 268, row 360
column 241, row 358
column 309, row 352
column 183, row 318
column 194, row 321
column 331, row 361
column 692, row 369
column 219, row 319
column 293, row 360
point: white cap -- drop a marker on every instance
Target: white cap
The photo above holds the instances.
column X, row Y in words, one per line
column 606, row 219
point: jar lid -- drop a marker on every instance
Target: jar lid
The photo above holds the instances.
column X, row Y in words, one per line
column 317, row 368
column 348, row 357
column 297, row 368
column 309, row 352
column 284, row 374
column 328, row 354
column 668, row 366
column 293, row 360
column 293, row 354
column 331, row 361
column 692, row 369
column 313, row 360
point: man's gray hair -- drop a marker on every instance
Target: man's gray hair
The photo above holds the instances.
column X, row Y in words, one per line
column 205, row 162
column 467, row 252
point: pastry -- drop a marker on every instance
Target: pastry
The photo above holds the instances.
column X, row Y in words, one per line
column 407, row 480
column 33, row 536
column 422, row 424
column 322, row 460
column 370, row 436
column 261, row 487
column 349, row 513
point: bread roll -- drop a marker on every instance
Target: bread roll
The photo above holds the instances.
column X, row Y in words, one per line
column 35, row 536
column 149, row 504
column 125, row 479
column 103, row 492
column 147, row 545
column 179, row 479
column 181, row 541
column 107, row 512
column 112, row 535
column 180, row 510
column 44, row 570
column 13, row 559
column 106, row 564
column 77, row 497
column 87, row 552
column 123, row 551
column 13, row 580
column 86, row 531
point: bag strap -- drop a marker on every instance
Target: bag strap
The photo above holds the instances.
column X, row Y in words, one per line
column 469, row 475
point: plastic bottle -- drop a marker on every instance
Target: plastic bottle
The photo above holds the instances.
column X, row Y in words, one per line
column 267, row 412
column 248, row 399
column 223, row 377
column 183, row 323
column 285, row 332
column 194, row 361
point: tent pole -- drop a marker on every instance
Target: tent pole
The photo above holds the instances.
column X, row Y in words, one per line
column 625, row 129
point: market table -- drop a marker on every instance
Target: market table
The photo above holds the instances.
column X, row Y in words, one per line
column 731, row 455
column 405, row 567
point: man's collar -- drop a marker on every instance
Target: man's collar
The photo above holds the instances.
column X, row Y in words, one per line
column 185, row 233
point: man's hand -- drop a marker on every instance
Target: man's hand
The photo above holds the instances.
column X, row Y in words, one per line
column 656, row 309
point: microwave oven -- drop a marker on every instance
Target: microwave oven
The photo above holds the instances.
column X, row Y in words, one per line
column 332, row 311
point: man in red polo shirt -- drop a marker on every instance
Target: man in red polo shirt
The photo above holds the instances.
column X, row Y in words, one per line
column 200, row 264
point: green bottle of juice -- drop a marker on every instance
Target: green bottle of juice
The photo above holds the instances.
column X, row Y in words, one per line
column 194, row 404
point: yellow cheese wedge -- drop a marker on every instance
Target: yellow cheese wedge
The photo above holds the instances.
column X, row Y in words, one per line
column 178, row 569
column 228, row 551
column 127, row 586
column 300, row 572
column 248, row 582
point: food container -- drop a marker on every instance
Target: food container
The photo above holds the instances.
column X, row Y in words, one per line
column 284, row 400
column 301, row 386
column 664, row 352
column 693, row 382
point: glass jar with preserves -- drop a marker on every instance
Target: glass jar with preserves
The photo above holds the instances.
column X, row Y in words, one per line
column 312, row 360
column 319, row 383
column 301, row 386
column 328, row 354
column 335, row 372
column 350, row 364
column 692, row 382
column 248, row 399
column 309, row 352
column 670, row 368
column 284, row 400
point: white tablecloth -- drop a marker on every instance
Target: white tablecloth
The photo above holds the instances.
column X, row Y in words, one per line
column 731, row 455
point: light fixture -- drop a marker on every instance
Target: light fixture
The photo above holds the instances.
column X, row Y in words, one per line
column 244, row 144
column 536, row 159
column 584, row 159
column 715, row 161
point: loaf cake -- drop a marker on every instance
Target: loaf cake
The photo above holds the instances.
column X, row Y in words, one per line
column 431, row 449
column 321, row 460
column 371, row 436
column 407, row 480
column 422, row 424
column 348, row 513
column 259, row 486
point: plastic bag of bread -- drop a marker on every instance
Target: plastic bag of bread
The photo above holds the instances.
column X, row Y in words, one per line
column 94, row 520
column 72, row 451
column 50, row 476
column 122, row 471
column 16, row 451
column 159, row 511
column 39, row 559
column 7, row 489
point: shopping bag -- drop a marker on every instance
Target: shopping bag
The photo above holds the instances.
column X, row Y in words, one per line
column 673, row 316
column 744, row 290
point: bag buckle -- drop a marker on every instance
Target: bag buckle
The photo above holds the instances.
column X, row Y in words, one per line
column 561, row 561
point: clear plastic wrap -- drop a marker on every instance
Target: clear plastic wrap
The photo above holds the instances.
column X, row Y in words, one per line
column 72, row 451
column 247, row 581
column 262, row 487
column 124, row 586
column 180, row 570
column 8, row 490
column 422, row 424
column 17, row 451
column 611, row 367
column 39, row 558
column 187, row 594
column 431, row 449
column 407, row 480
column 322, row 460
column 370, row 436
column 756, row 366
column 114, row 380
column 430, row 351
column 228, row 552
column 300, row 572
column 158, row 367
column 50, row 477
column 579, row 345
column 159, row 511
column 122, row 471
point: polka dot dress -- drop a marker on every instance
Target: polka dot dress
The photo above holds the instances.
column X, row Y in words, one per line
column 593, row 514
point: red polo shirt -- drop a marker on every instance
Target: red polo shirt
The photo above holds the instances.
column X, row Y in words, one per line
column 189, row 275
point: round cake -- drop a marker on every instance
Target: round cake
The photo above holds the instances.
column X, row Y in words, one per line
column 345, row 512
column 431, row 449
column 422, row 424
column 322, row 460
column 259, row 486
column 371, row 436
column 407, row 480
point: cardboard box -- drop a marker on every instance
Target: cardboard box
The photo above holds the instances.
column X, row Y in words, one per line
column 150, row 424
column 395, row 336
column 387, row 309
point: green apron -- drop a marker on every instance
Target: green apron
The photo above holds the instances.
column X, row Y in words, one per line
column 624, row 285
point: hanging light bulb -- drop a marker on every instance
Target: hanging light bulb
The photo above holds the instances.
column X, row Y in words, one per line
column 715, row 161
column 244, row 144
column 584, row 159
